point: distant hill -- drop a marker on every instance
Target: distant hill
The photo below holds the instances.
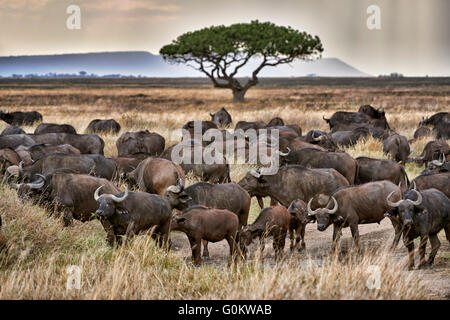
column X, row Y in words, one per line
column 150, row 65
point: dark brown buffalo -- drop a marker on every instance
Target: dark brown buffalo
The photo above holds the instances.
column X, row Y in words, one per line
column 293, row 182
column 440, row 181
column 435, row 119
column 125, row 164
column 344, row 121
column 221, row 118
column 397, row 147
column 422, row 214
column 8, row 157
column 271, row 222
column 54, row 128
column 442, row 130
column 357, row 205
column 245, row 125
column 322, row 139
column 437, row 166
column 96, row 164
column 207, row 224
column 299, row 220
column 350, row 137
column 313, row 158
column 433, row 151
column 13, row 141
column 183, row 154
column 141, row 142
column 103, row 126
column 421, row 133
column 130, row 213
column 18, row 118
column 155, row 175
column 12, row 130
column 86, row 143
column 370, row 170
column 372, row 112
column 203, row 126
column 70, row 193
column 39, row 151
column 277, row 121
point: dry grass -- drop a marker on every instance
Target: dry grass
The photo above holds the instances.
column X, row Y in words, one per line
column 40, row 249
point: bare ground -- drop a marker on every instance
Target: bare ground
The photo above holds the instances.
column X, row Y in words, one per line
column 436, row 279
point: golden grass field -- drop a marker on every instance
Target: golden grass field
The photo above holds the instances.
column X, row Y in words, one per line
column 39, row 248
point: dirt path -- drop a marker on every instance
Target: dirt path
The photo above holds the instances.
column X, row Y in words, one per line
column 436, row 279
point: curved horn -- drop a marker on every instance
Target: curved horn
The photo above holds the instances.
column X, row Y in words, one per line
column 283, row 154
column 323, row 117
column 21, row 165
column 174, row 189
column 392, row 204
column 308, row 207
column 336, row 206
column 438, row 163
column 180, row 183
column 419, row 198
column 122, row 198
column 314, row 137
column 255, row 173
column 212, row 115
column 414, row 184
column 12, row 184
column 37, row 185
column 96, row 196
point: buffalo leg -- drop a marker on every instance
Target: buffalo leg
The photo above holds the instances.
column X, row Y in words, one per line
column 302, row 235
column 447, row 232
column 422, row 249
column 409, row 244
column 205, row 254
column 260, row 201
column 110, row 235
column 273, row 202
column 336, row 236
column 233, row 248
column 196, row 247
column 291, row 238
column 262, row 244
column 435, row 245
column 67, row 217
column 397, row 231
column 355, row 234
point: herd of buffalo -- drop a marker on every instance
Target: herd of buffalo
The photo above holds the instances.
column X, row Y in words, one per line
column 317, row 182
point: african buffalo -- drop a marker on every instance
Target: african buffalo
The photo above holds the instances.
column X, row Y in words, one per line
column 422, row 214
column 96, row 164
column 86, row 143
column 18, row 118
column 355, row 205
column 12, row 130
column 190, row 128
column 271, row 222
column 155, row 175
column 125, row 164
column 39, row 151
column 370, row 170
column 437, row 166
column 8, row 157
column 440, row 181
column 245, row 125
column 200, row 223
column 183, row 154
column 292, row 182
column 397, row 147
column 440, row 123
column 221, row 118
column 372, row 112
column 350, row 137
column 432, row 151
column 130, row 213
column 277, row 121
column 299, row 219
column 313, row 158
column 421, row 133
column 14, row 140
column 342, row 121
column 321, row 138
column 103, row 126
column 141, row 142
column 69, row 192
column 54, row 128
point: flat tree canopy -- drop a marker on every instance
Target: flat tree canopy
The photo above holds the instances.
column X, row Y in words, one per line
column 221, row 51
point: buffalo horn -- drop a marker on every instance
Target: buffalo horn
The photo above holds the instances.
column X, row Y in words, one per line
column 392, row 204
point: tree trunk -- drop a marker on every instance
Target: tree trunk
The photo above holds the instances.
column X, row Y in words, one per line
column 238, row 94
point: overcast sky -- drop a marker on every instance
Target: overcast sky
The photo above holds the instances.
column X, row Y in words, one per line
column 414, row 38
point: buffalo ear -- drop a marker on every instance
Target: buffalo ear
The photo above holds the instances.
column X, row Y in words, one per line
column 336, row 218
column 311, row 218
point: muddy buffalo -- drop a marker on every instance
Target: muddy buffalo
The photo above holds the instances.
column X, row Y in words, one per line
column 141, row 142
column 370, row 170
column 130, row 213
column 293, row 182
column 221, row 118
column 271, row 222
column 155, row 175
column 103, row 126
column 313, row 158
column 68, row 192
column 422, row 214
column 18, row 118
column 355, row 205
column 54, row 128
column 207, row 224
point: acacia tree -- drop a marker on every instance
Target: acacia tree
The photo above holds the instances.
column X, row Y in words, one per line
column 221, row 51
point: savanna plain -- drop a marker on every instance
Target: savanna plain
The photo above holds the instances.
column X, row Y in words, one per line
column 39, row 250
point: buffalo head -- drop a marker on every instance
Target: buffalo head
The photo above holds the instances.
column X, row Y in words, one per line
column 26, row 191
column 109, row 203
column 297, row 210
column 254, row 183
column 407, row 208
column 324, row 216
column 176, row 196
